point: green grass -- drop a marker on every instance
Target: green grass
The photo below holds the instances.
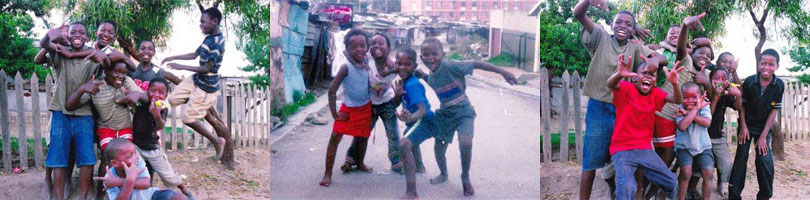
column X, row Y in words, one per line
column 555, row 139
column 503, row 59
column 15, row 146
column 288, row 110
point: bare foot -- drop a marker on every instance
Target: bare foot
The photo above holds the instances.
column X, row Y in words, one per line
column 327, row 179
column 364, row 168
column 438, row 179
column 220, row 147
column 410, row 195
column 468, row 188
column 346, row 167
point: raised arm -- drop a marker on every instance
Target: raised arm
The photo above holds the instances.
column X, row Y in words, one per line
column 690, row 23
column 41, row 58
column 508, row 76
column 672, row 76
column 52, row 34
column 581, row 9
column 188, row 56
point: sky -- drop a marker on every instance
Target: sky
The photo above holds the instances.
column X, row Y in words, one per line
column 185, row 38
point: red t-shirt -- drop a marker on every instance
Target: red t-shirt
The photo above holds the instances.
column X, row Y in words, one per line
column 635, row 117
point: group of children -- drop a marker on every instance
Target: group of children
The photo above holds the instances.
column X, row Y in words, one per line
column 96, row 97
column 657, row 107
column 370, row 92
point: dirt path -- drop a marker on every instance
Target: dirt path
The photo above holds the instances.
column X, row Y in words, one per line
column 204, row 177
column 561, row 180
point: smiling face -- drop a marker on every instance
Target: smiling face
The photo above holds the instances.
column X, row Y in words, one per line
column 146, row 51
column 157, row 91
column 701, row 57
column 691, row 95
column 357, row 48
column 645, row 81
column 725, row 61
column 718, row 78
column 105, row 34
column 432, row 56
column 77, row 34
column 379, row 47
column 207, row 25
column 405, row 64
column 672, row 35
column 767, row 65
column 115, row 77
column 126, row 154
column 623, row 26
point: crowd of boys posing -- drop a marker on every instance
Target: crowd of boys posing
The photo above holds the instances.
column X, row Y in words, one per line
column 99, row 94
column 647, row 108
column 371, row 92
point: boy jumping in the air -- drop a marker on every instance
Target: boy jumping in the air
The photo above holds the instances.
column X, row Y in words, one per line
column 199, row 91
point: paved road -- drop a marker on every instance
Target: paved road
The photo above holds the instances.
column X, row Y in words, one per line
column 506, row 157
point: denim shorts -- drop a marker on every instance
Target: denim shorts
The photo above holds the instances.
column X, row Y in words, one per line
column 67, row 130
column 705, row 160
column 425, row 129
column 162, row 195
column 599, row 121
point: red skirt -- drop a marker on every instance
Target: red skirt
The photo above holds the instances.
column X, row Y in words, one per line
column 359, row 123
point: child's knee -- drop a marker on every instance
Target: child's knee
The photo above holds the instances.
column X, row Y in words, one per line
column 685, row 175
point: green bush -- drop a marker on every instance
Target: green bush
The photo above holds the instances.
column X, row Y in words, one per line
column 15, row 146
column 555, row 139
column 503, row 59
column 288, row 110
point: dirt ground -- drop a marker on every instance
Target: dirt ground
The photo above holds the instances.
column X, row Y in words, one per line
column 561, row 180
column 204, row 177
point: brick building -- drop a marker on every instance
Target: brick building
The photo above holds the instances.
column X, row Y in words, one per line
column 463, row 10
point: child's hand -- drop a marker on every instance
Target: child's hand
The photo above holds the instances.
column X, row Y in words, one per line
column 700, row 78
column 623, row 68
column 175, row 66
column 600, row 4
column 399, row 88
column 762, row 146
column 642, row 33
column 693, row 22
column 97, row 56
column 672, row 75
column 743, row 135
column 91, row 86
column 702, row 102
column 170, row 58
column 153, row 109
column 341, row 116
column 720, row 88
column 679, row 112
column 404, row 115
column 108, row 180
column 132, row 172
column 510, row 78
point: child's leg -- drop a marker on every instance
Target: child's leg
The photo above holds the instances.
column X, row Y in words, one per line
column 683, row 180
column 764, row 167
column 417, row 156
column 738, row 169
column 625, row 166
column 410, row 168
column 85, row 155
column 439, row 150
column 362, row 145
column 722, row 159
column 331, row 149
column 599, row 120
column 218, row 142
column 352, row 154
column 386, row 111
column 656, row 171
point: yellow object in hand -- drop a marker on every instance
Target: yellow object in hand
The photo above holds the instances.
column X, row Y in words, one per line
column 161, row 104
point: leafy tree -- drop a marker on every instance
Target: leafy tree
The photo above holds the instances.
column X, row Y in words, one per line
column 254, row 36
column 801, row 56
column 659, row 15
column 17, row 51
column 560, row 47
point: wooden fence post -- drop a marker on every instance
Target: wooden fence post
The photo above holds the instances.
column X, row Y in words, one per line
column 241, row 116
column 564, row 118
column 577, row 116
column 173, row 130
column 37, row 123
column 545, row 114
column 268, row 94
column 22, row 140
column 48, row 86
column 4, row 122
column 252, row 118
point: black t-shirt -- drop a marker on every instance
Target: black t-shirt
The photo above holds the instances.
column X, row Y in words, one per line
column 758, row 101
column 142, row 77
column 144, row 128
column 718, row 116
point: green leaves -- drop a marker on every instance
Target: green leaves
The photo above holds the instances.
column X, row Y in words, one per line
column 17, row 50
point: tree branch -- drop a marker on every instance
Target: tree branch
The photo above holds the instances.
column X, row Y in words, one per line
column 763, row 34
column 199, row 4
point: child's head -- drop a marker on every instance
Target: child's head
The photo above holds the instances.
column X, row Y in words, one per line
column 672, row 35
column 146, row 49
column 77, row 34
column 432, row 53
column 702, row 56
column 406, row 62
column 768, row 63
column 158, row 88
column 356, row 42
column 209, row 21
column 379, row 45
column 120, row 151
column 105, row 35
column 645, row 81
column 692, row 93
column 623, row 25
column 115, row 75
column 724, row 60
column 718, row 76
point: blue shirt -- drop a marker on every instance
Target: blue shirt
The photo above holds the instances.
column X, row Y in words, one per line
column 146, row 194
column 211, row 50
column 415, row 95
column 696, row 137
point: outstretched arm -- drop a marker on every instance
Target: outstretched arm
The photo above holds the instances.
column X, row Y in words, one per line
column 188, row 56
column 690, row 23
column 508, row 76
column 672, row 76
column 581, row 9
column 199, row 69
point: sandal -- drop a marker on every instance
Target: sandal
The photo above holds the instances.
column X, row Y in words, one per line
column 347, row 166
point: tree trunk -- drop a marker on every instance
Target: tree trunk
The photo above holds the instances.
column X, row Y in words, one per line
column 778, row 141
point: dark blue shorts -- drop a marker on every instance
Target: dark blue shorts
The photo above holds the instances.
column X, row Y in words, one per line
column 67, row 130
column 162, row 195
column 704, row 160
column 421, row 130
